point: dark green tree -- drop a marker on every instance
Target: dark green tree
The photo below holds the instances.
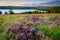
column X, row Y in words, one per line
column 0, row 12
column 11, row 12
column 54, row 10
column 6, row 12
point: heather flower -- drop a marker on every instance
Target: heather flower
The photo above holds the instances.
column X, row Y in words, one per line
column 25, row 27
column 30, row 36
column 43, row 22
column 30, row 24
column 21, row 36
column 57, row 18
column 40, row 34
column 32, row 29
column 57, row 21
column 13, row 28
column 32, row 18
column 53, row 25
column 23, row 30
column 14, row 31
column 35, row 18
column 49, row 22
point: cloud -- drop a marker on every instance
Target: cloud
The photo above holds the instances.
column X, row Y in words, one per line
column 5, row 3
column 20, row 2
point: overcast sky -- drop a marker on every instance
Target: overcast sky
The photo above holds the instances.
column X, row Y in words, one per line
column 21, row 2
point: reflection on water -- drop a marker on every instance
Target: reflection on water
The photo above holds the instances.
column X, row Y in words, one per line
column 17, row 10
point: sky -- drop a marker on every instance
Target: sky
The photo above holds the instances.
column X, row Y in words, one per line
column 22, row 2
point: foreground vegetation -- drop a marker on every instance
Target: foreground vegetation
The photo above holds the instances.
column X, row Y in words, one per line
column 52, row 29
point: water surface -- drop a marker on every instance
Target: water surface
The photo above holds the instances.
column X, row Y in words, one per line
column 17, row 10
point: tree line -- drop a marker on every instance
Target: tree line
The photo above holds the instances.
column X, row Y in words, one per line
column 51, row 10
column 54, row 10
column 10, row 12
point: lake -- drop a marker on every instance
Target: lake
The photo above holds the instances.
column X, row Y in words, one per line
column 17, row 10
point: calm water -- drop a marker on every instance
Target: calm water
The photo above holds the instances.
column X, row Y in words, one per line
column 17, row 10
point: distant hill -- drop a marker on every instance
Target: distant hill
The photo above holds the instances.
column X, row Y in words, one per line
column 15, row 7
column 18, row 7
column 52, row 3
